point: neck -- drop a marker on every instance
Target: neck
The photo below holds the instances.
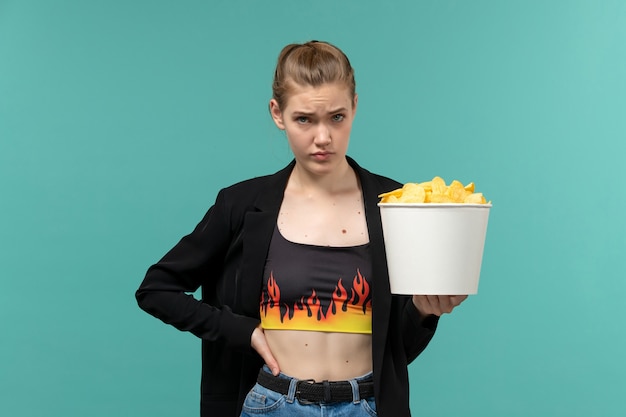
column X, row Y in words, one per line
column 341, row 179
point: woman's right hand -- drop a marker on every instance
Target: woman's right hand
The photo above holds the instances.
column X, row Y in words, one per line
column 259, row 343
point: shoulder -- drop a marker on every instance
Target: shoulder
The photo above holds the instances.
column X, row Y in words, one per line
column 247, row 187
column 257, row 190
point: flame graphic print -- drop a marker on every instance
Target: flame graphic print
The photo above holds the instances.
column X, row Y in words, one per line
column 346, row 310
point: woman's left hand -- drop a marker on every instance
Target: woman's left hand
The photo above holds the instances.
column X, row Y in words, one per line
column 437, row 304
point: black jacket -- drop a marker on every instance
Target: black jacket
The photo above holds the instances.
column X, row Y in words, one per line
column 225, row 255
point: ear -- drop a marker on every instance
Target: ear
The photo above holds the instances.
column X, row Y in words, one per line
column 277, row 114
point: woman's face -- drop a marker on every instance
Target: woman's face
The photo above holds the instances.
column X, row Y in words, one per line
column 317, row 122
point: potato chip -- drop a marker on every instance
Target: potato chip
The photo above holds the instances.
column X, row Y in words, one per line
column 412, row 193
column 396, row 193
column 476, row 198
column 456, row 191
column 428, row 185
column 438, row 185
column 434, row 191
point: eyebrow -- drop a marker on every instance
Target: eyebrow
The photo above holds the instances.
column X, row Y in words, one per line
column 334, row 111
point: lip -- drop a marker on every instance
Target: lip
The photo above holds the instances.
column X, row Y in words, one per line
column 321, row 156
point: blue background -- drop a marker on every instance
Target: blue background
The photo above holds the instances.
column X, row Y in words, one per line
column 120, row 121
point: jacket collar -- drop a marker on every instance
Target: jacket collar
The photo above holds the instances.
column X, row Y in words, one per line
column 271, row 197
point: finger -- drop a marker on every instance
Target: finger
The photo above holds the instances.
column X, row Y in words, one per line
column 259, row 343
column 445, row 304
column 272, row 363
column 458, row 299
column 418, row 301
column 421, row 303
column 434, row 304
column 449, row 302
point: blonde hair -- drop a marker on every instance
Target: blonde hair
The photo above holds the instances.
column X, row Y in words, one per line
column 312, row 63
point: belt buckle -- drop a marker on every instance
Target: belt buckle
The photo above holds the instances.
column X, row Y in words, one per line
column 298, row 392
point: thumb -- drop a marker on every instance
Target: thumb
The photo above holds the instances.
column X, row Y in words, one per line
column 259, row 343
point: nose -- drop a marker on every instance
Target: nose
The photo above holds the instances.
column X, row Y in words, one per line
column 322, row 135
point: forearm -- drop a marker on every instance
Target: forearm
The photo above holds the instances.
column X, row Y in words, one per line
column 199, row 259
column 207, row 322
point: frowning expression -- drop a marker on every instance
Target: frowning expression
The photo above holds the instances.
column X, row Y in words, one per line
column 317, row 122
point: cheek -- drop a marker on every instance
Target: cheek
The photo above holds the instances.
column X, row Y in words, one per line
column 296, row 139
column 344, row 129
column 298, row 132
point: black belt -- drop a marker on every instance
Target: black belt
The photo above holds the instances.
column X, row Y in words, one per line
column 316, row 392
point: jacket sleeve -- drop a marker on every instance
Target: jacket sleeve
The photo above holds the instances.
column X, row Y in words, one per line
column 417, row 330
column 198, row 259
column 414, row 331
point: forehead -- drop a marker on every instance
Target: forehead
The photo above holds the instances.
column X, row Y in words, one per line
column 309, row 98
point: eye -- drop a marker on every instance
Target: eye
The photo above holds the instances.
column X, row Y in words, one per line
column 338, row 117
column 302, row 120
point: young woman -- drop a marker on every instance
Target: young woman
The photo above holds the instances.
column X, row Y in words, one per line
column 296, row 316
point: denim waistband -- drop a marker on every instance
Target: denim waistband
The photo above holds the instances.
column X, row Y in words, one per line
column 308, row 391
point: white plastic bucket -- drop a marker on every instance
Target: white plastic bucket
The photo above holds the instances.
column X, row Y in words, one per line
column 434, row 248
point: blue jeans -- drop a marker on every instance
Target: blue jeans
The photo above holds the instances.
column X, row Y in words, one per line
column 261, row 401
